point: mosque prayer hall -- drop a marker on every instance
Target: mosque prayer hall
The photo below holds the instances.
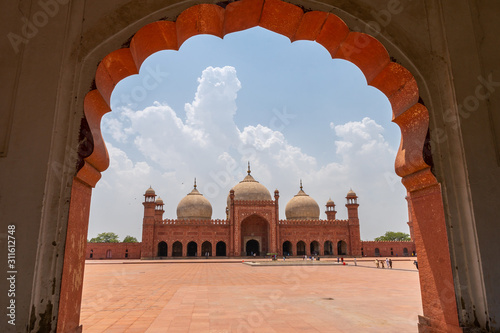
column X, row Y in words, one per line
column 252, row 228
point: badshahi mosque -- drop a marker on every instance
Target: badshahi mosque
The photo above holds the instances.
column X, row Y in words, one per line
column 252, row 226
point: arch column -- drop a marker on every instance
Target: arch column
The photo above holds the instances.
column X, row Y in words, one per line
column 434, row 263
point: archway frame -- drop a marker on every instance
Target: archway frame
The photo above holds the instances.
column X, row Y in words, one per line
column 302, row 252
column 265, row 243
column 218, row 248
column 164, row 249
column 206, row 246
column 392, row 79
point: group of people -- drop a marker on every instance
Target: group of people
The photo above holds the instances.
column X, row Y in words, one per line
column 313, row 257
column 388, row 263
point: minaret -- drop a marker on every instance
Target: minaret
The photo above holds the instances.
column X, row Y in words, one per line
column 159, row 210
column 353, row 224
column 330, row 210
column 352, row 207
column 149, row 203
column 148, row 222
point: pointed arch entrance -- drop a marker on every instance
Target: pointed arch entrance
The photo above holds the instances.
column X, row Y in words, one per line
column 328, row 248
column 314, row 248
column 341, row 248
column 192, row 249
column 287, row 248
column 252, row 247
column 206, row 249
column 301, row 248
column 220, row 249
column 254, row 236
column 162, row 249
column 177, row 249
column 330, row 31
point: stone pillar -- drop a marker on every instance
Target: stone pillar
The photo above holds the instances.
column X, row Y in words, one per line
column 74, row 260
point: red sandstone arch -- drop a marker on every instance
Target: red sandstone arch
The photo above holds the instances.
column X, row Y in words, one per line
column 255, row 227
column 289, row 20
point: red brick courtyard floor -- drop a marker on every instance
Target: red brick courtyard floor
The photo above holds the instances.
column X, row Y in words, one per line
column 228, row 296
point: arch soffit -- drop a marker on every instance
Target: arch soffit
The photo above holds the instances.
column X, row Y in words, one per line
column 327, row 29
column 246, row 216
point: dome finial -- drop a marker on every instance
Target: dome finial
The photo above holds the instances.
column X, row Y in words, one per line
column 194, row 182
column 248, row 171
column 301, row 184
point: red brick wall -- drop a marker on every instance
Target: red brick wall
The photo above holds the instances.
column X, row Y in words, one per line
column 309, row 231
column 385, row 248
column 118, row 250
column 185, row 231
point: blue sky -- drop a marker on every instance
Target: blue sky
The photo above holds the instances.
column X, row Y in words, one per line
column 287, row 107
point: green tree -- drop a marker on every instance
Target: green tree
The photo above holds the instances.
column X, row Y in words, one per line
column 105, row 237
column 130, row 239
column 393, row 236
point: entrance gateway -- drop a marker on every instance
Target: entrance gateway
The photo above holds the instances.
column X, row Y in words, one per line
column 252, row 247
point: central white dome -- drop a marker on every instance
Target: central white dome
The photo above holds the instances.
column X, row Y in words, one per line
column 249, row 189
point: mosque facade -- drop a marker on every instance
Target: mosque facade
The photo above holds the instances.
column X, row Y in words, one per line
column 252, row 226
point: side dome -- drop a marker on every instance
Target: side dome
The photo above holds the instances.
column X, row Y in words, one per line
column 150, row 191
column 351, row 193
column 302, row 207
column 249, row 189
column 194, row 206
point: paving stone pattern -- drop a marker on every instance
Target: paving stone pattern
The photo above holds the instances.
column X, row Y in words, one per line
column 208, row 296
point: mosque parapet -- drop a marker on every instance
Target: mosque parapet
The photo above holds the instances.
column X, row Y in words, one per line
column 194, row 222
column 254, row 202
column 314, row 222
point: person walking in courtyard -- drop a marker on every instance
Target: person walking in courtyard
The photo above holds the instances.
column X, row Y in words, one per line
column 355, row 262
column 377, row 263
column 390, row 263
column 387, row 262
column 415, row 263
column 382, row 263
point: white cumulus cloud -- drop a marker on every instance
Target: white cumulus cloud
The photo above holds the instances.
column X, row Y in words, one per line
column 167, row 150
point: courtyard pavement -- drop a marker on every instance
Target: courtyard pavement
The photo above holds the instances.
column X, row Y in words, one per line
column 228, row 296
